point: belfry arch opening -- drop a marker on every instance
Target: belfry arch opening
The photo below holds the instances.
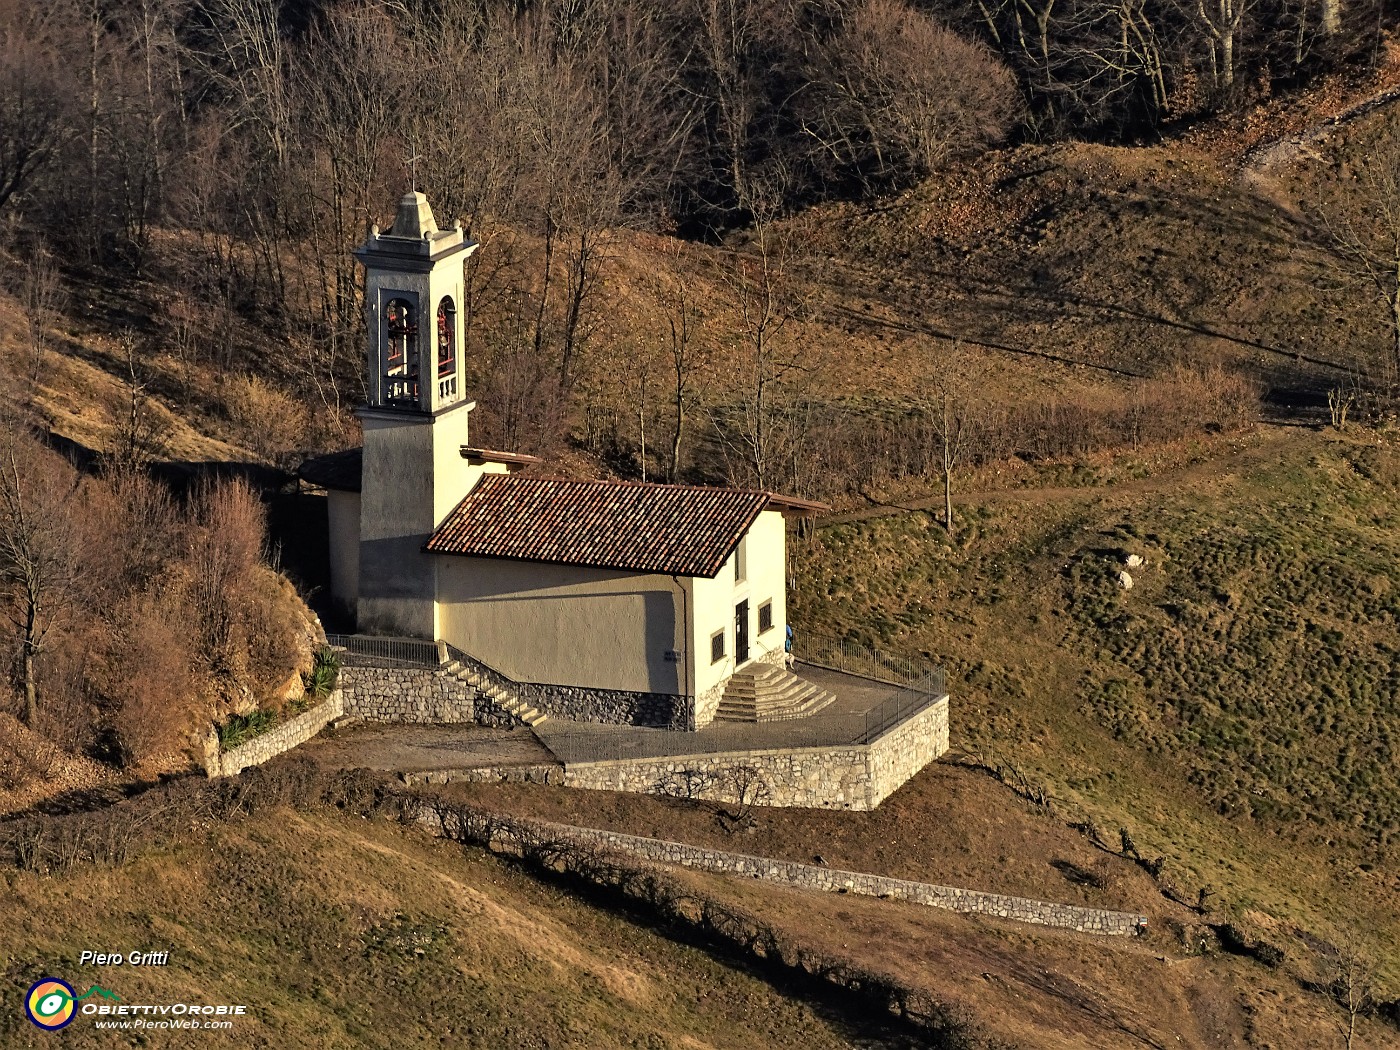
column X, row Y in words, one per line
column 400, row 351
column 447, row 349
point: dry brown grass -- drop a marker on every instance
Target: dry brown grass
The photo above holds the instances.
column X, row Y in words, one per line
column 409, row 942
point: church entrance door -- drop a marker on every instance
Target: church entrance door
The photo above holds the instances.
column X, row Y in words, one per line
column 741, row 632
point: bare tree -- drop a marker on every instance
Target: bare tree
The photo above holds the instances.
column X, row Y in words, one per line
column 43, row 295
column 1220, row 21
column 140, row 435
column 901, row 93
column 769, row 357
column 38, row 547
column 731, row 33
column 1365, row 236
column 1351, row 979
column 682, row 318
column 35, row 97
column 952, row 383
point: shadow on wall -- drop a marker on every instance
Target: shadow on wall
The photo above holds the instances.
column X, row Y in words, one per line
column 664, row 676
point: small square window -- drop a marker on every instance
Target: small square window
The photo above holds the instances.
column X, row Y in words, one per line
column 716, row 647
column 765, row 617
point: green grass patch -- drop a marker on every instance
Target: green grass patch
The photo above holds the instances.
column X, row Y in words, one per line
column 1245, row 691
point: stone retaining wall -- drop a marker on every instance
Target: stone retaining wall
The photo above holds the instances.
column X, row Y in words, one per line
column 406, row 694
column 851, row 776
column 904, row 749
column 533, row 774
column 526, row 832
column 275, row 741
column 608, row 706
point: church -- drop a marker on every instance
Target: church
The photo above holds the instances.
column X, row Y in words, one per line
column 615, row 601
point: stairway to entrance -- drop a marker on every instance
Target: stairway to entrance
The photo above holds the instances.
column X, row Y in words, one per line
column 495, row 687
column 765, row 693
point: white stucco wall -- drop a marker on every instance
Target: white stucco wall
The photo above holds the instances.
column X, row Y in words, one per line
column 343, row 519
column 714, row 601
column 564, row 624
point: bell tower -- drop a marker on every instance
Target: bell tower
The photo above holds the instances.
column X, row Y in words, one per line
column 415, row 421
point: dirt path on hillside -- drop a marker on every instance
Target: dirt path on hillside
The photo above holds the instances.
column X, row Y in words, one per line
column 1266, row 156
column 1277, row 441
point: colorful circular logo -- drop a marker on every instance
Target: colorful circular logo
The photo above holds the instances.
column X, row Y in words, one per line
column 50, row 1004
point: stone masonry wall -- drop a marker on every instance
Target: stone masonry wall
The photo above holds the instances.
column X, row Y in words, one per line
column 898, row 754
column 819, row 778
column 609, row 706
column 1045, row 913
column 275, row 741
column 406, row 694
column 855, row 776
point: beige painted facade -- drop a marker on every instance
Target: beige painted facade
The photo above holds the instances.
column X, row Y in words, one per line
column 603, row 629
column 565, row 624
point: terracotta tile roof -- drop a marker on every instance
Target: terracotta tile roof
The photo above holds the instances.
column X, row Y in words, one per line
column 680, row 530
column 339, row 470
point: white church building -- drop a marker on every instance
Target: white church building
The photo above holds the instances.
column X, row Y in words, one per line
column 623, row 601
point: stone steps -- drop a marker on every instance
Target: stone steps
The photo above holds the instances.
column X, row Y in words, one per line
column 498, row 694
column 769, row 694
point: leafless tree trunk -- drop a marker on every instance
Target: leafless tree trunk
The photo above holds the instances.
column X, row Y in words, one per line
column 1220, row 21
column 952, row 379
column 38, row 549
column 43, row 296
column 758, row 280
column 1331, row 17
column 1364, row 229
column 682, row 318
column 1351, row 978
column 730, row 33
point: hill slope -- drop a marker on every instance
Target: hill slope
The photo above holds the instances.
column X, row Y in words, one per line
column 1236, row 709
column 340, row 934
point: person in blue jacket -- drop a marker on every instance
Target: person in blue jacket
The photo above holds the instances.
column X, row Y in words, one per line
column 787, row 647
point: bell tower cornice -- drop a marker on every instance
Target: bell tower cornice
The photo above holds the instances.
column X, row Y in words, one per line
column 414, row 244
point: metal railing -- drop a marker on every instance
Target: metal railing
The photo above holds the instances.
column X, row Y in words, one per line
column 615, row 743
column 484, row 671
column 842, row 654
column 362, row 650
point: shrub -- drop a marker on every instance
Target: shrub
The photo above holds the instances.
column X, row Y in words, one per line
column 270, row 422
column 241, row 728
column 320, row 680
column 146, row 679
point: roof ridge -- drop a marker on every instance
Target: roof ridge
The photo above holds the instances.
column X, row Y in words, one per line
column 629, row 483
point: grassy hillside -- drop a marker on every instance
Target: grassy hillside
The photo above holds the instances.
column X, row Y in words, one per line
column 1236, row 709
column 351, row 934
column 1027, row 986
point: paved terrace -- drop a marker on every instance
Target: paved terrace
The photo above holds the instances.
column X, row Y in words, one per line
column 863, row 708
